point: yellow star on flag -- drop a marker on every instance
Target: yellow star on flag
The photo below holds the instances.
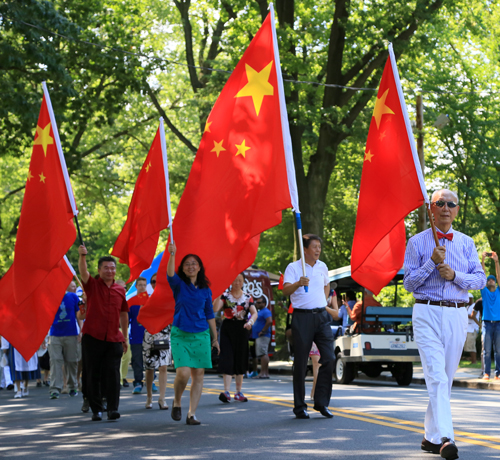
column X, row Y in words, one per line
column 207, row 127
column 218, row 147
column 44, row 138
column 258, row 85
column 368, row 156
column 382, row 135
column 242, row 148
column 30, row 176
column 381, row 109
column 148, row 166
column 42, row 178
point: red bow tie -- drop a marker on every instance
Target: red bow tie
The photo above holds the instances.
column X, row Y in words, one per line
column 448, row 236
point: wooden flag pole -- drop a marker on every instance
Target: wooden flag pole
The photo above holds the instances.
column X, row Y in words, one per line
column 433, row 225
column 79, row 232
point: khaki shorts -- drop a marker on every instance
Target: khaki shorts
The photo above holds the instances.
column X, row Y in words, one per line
column 470, row 342
column 261, row 346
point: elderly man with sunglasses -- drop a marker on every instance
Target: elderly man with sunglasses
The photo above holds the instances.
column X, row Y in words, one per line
column 440, row 278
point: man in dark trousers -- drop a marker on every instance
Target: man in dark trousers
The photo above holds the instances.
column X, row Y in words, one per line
column 103, row 343
column 310, row 322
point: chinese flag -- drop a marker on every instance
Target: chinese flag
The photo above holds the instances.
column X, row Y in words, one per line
column 147, row 214
column 391, row 187
column 46, row 230
column 238, row 182
column 26, row 324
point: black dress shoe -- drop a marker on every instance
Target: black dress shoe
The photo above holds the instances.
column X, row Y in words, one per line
column 85, row 405
column 97, row 416
column 428, row 446
column 125, row 383
column 448, row 449
column 302, row 414
column 176, row 413
column 192, row 420
column 324, row 411
column 113, row 415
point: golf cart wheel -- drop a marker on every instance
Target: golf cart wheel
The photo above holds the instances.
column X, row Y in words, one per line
column 344, row 371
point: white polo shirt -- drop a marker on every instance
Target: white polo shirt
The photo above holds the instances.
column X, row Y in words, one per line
column 318, row 279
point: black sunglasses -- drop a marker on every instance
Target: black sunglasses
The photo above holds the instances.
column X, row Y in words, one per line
column 441, row 203
column 153, row 281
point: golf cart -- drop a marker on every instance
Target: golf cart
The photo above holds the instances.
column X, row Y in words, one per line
column 383, row 340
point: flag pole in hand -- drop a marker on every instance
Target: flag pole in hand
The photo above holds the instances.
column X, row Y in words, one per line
column 167, row 183
column 433, row 225
column 301, row 246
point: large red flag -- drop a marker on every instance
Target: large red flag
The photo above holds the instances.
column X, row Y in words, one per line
column 46, row 230
column 147, row 213
column 392, row 186
column 238, row 183
column 26, row 324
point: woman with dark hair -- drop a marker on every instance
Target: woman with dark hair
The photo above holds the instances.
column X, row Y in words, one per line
column 190, row 337
column 236, row 306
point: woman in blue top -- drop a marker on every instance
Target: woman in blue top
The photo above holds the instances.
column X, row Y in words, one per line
column 190, row 337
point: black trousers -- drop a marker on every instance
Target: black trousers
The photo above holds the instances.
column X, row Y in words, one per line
column 309, row 327
column 101, row 361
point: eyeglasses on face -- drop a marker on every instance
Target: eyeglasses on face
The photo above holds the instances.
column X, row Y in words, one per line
column 191, row 264
column 441, row 203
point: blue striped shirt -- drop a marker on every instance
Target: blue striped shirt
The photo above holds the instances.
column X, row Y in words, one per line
column 423, row 278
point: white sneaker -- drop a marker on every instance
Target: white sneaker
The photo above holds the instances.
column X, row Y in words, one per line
column 22, row 385
column 18, row 395
column 25, row 392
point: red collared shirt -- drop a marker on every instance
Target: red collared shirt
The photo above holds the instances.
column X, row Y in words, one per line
column 104, row 305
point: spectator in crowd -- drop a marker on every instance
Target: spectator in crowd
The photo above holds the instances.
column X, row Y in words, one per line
column 261, row 333
column 44, row 363
column 349, row 300
column 190, row 337
column 491, row 317
column 137, row 332
column 472, row 329
column 156, row 359
column 310, row 323
column 103, row 344
column 477, row 316
column 359, row 309
column 236, row 305
column 22, row 371
column 128, row 355
column 63, row 341
column 5, row 375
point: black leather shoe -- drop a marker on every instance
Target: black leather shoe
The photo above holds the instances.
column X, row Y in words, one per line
column 125, row 383
column 176, row 413
column 113, row 415
column 448, row 449
column 428, row 446
column 324, row 411
column 302, row 414
column 97, row 416
column 85, row 405
column 192, row 420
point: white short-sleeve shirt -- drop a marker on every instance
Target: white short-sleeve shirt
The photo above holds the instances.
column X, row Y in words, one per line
column 318, row 279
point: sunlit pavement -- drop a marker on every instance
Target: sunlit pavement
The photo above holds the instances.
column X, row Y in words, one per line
column 372, row 421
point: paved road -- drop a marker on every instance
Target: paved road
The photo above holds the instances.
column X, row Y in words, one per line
column 372, row 421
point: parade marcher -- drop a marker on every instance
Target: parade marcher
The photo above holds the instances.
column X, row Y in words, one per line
column 22, row 371
column 193, row 324
column 491, row 318
column 236, row 306
column 156, row 360
column 103, row 344
column 127, row 356
column 310, row 322
column 440, row 278
column 477, row 315
column 63, row 341
column 136, row 335
column 261, row 333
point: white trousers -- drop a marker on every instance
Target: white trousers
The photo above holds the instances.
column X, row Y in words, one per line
column 440, row 334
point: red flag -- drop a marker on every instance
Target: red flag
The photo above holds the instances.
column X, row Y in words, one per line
column 238, row 183
column 392, row 186
column 281, row 281
column 26, row 324
column 32, row 289
column 147, row 214
column 46, row 230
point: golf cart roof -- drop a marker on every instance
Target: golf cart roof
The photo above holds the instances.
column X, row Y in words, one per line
column 342, row 277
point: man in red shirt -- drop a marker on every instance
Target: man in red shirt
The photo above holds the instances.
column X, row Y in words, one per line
column 359, row 309
column 103, row 343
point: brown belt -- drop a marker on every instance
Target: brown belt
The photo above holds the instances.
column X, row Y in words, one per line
column 445, row 303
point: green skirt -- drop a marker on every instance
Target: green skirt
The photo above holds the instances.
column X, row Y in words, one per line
column 191, row 349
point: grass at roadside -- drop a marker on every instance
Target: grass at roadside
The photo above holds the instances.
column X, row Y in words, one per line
column 466, row 363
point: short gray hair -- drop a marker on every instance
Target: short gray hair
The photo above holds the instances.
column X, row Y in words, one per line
column 445, row 190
